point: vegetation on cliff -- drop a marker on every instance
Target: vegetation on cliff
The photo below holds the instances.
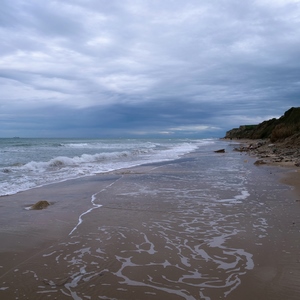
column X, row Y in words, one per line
column 287, row 126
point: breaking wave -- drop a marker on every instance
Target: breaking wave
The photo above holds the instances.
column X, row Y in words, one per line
column 80, row 159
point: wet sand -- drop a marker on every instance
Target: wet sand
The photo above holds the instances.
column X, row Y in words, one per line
column 164, row 231
column 292, row 178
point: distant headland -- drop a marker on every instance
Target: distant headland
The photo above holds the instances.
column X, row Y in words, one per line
column 286, row 127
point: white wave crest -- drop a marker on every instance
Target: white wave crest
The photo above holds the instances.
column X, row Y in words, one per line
column 113, row 156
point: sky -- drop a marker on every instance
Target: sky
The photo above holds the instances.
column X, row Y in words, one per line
column 146, row 68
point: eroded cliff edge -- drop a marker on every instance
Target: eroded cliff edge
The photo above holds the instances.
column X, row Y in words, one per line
column 287, row 126
column 275, row 140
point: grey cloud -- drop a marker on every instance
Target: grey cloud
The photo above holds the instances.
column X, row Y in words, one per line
column 150, row 64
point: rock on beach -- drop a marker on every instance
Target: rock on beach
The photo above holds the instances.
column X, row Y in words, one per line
column 40, row 205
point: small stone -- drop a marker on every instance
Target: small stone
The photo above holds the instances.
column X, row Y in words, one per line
column 40, row 205
column 220, row 151
column 260, row 162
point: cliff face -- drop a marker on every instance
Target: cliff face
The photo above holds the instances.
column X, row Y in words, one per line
column 286, row 127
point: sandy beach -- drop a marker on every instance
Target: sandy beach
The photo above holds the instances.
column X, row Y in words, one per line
column 159, row 231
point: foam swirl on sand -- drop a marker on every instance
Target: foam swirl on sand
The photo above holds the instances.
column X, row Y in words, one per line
column 178, row 255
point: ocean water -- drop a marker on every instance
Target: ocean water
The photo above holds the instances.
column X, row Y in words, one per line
column 29, row 163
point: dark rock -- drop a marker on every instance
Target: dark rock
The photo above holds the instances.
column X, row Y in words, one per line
column 260, row 162
column 241, row 149
column 278, row 159
column 40, row 205
column 220, row 151
column 289, row 153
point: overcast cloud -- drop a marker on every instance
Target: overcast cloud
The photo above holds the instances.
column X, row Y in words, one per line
column 99, row 68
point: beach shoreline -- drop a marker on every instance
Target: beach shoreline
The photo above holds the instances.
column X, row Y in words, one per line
column 281, row 154
column 140, row 229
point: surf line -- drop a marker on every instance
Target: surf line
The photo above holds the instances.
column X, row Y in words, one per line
column 95, row 206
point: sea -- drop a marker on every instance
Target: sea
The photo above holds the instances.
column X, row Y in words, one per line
column 26, row 163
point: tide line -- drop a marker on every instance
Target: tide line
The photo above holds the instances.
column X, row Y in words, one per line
column 95, row 206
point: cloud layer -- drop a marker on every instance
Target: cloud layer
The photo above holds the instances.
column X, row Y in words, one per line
column 106, row 68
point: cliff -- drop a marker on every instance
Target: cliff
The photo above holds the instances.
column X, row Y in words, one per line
column 287, row 127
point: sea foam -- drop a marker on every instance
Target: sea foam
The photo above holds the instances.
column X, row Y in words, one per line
column 34, row 163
